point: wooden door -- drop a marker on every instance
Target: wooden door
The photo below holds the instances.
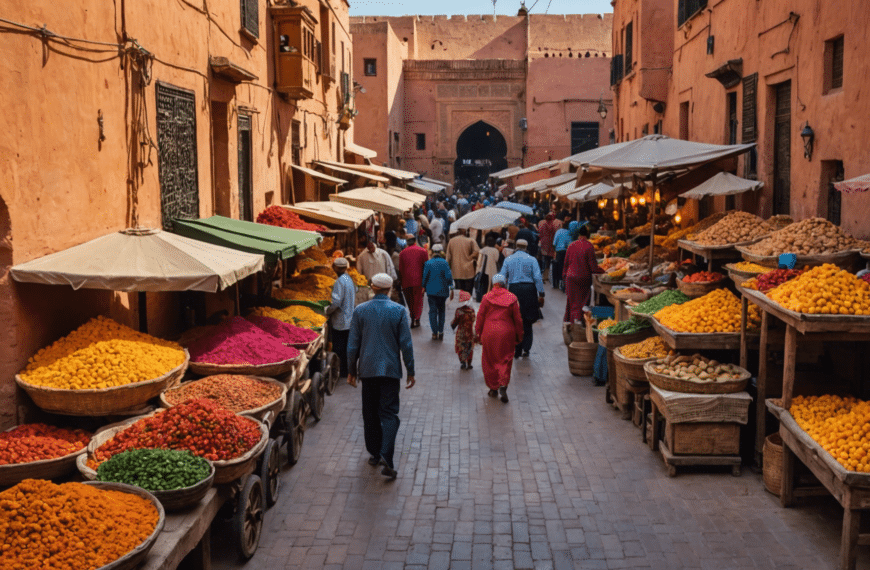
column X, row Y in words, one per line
column 782, row 149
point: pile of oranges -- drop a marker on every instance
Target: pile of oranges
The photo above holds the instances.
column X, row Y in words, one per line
column 825, row 290
column 840, row 425
column 715, row 312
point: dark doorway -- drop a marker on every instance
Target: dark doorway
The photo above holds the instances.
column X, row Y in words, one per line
column 584, row 136
column 782, row 149
column 246, row 183
column 481, row 149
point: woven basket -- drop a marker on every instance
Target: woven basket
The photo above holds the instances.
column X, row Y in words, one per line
column 843, row 259
column 739, row 276
column 259, row 413
column 631, row 369
column 176, row 500
column 135, row 557
column 225, row 471
column 699, row 289
column 686, row 387
column 15, row 473
column 102, row 402
column 634, row 296
column 269, row 370
column 581, row 358
column 772, row 463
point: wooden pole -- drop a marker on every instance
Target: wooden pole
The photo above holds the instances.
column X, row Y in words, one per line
column 143, row 311
column 652, row 226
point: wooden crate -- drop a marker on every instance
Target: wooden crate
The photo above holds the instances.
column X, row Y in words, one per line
column 703, row 438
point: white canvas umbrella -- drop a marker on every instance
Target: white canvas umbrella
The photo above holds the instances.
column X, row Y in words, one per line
column 486, row 218
column 723, row 184
column 142, row 260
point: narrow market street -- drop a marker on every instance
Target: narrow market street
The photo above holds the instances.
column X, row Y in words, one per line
column 553, row 479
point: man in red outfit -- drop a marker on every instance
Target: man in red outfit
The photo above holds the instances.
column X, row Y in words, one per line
column 411, row 262
column 580, row 264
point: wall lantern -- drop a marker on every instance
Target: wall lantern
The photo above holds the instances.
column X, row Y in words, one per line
column 524, row 124
column 808, row 135
column 602, row 110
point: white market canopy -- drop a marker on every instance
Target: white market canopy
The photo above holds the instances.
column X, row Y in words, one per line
column 506, row 173
column 583, row 158
column 723, row 184
column 425, row 187
column 345, row 169
column 857, row 184
column 596, row 192
column 568, row 188
column 441, row 183
column 319, row 175
column 332, row 213
column 486, row 218
column 414, row 197
column 360, row 150
column 537, row 186
column 658, row 153
column 402, row 175
column 376, row 199
column 530, row 169
column 142, row 260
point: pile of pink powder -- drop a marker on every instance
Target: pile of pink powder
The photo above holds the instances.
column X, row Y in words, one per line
column 239, row 341
column 291, row 334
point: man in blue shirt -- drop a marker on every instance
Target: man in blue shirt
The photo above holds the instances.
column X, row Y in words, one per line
column 523, row 277
column 340, row 311
column 438, row 284
column 379, row 332
column 411, row 226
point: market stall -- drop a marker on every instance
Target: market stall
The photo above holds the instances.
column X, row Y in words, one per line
column 376, row 199
column 344, row 221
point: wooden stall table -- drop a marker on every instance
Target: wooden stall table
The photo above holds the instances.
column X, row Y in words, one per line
column 850, row 488
column 696, row 341
column 711, row 253
column 812, row 328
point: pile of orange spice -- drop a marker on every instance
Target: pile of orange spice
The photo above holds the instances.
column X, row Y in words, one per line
column 70, row 526
column 37, row 442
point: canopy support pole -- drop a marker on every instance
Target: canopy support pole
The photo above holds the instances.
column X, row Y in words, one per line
column 238, row 303
column 652, row 228
column 142, row 309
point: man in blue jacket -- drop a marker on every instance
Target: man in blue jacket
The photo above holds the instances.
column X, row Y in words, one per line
column 438, row 283
column 379, row 332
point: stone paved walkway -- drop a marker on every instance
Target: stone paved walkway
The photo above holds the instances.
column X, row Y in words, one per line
column 554, row 479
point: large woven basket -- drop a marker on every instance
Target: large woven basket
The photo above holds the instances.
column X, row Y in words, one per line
column 225, row 471
column 15, row 473
column 135, row 557
column 631, row 369
column 176, row 500
column 102, row 402
column 632, row 296
column 699, row 289
column 772, row 464
column 672, row 384
column 269, row 370
column 739, row 276
column 581, row 358
column 258, row 413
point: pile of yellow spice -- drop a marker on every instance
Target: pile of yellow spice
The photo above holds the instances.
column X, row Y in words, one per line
column 306, row 287
column 102, row 354
column 840, row 425
column 715, row 312
column 298, row 315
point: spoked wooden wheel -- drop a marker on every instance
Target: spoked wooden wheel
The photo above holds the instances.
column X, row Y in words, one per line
column 332, row 370
column 270, row 470
column 316, row 396
column 248, row 518
column 297, row 415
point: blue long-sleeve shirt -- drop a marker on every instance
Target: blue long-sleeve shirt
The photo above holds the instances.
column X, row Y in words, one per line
column 521, row 267
column 344, row 299
column 562, row 239
column 379, row 332
column 437, row 279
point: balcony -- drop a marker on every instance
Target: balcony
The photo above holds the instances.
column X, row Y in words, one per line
column 295, row 51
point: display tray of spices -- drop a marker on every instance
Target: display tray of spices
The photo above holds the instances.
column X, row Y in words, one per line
column 39, row 451
column 238, row 346
column 248, row 395
column 290, row 334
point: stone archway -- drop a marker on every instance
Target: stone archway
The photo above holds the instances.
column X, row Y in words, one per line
column 480, row 149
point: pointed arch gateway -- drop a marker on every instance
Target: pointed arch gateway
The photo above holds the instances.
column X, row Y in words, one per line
column 480, row 149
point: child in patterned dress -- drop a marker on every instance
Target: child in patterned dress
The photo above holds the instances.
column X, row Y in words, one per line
column 463, row 324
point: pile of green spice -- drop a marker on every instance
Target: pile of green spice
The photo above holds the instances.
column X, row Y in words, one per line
column 660, row 301
column 155, row 469
column 632, row 325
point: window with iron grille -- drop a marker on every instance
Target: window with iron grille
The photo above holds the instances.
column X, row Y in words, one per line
column 176, row 154
column 616, row 69
column 750, row 86
column 834, row 64
column 296, row 142
column 370, row 67
column 732, row 117
column 688, row 8
column 250, row 11
column 628, row 47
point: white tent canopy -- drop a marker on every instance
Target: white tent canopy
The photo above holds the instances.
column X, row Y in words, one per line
column 360, row 150
column 345, row 169
column 425, row 187
column 583, row 158
column 658, row 153
column 596, row 192
column 142, row 260
column 319, row 175
column 414, row 197
column 332, row 213
column 486, row 218
column 376, row 199
column 723, row 184
column 506, row 173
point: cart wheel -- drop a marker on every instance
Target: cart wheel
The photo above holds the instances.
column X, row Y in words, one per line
column 333, row 369
column 270, row 469
column 315, row 396
column 248, row 518
column 295, row 427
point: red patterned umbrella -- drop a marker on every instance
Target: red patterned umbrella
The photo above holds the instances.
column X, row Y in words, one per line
column 859, row 184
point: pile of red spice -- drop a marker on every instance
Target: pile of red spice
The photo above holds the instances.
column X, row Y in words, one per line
column 239, row 341
column 286, row 332
column 284, row 218
column 37, row 442
column 200, row 426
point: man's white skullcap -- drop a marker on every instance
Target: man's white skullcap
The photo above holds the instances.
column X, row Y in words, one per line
column 340, row 262
column 437, row 248
column 382, row 281
column 522, row 243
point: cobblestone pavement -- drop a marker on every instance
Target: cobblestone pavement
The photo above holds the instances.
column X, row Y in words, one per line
column 553, row 479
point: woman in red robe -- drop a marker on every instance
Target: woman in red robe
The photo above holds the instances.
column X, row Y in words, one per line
column 580, row 264
column 499, row 328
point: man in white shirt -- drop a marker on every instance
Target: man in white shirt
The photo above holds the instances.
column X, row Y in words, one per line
column 436, row 226
column 374, row 260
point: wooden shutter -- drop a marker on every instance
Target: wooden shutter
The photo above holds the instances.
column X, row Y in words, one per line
column 837, row 63
column 750, row 121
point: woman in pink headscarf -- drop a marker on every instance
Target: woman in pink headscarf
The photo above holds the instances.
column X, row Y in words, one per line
column 499, row 329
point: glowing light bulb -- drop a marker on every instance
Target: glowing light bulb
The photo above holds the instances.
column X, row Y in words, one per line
column 658, row 196
column 678, row 218
column 616, row 215
column 642, row 200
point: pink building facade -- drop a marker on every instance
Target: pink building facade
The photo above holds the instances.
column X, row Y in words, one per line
column 465, row 95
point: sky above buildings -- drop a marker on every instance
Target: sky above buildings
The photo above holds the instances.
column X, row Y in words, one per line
column 450, row 7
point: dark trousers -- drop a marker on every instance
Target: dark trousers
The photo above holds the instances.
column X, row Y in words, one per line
column 558, row 265
column 484, row 287
column 466, row 285
column 339, row 347
column 526, row 344
column 380, row 404
column 546, row 262
column 437, row 311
